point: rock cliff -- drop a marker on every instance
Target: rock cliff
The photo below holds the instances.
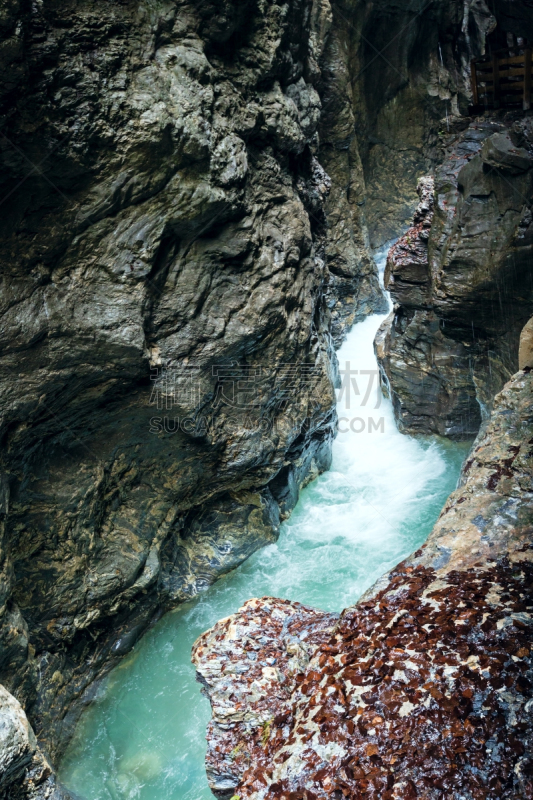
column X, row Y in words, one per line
column 166, row 316
column 189, row 194
column 166, row 349
column 425, row 688
column 461, row 282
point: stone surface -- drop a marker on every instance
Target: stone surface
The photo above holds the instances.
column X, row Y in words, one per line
column 425, row 688
column 177, row 267
column 249, row 664
column 166, row 342
column 353, row 289
column 24, row 772
column 462, row 299
column 409, row 81
column 525, row 352
column 500, row 152
column 17, row 740
column 407, row 268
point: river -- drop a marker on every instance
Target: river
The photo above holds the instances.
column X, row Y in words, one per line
column 144, row 737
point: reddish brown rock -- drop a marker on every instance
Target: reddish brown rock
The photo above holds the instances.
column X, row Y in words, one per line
column 250, row 664
column 422, row 690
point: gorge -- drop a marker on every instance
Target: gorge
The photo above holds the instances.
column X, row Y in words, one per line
column 192, row 197
column 338, row 540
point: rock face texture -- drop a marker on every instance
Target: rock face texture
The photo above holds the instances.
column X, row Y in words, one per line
column 425, row 688
column 177, row 266
column 17, row 740
column 249, row 665
column 25, row 773
column 167, row 352
column 462, row 283
column 399, row 75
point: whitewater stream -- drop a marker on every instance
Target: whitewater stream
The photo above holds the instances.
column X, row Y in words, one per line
column 144, row 737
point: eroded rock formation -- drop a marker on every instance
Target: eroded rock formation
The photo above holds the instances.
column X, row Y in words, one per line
column 400, row 73
column 166, row 347
column 189, row 192
column 462, row 283
column 425, row 688
column 25, row 773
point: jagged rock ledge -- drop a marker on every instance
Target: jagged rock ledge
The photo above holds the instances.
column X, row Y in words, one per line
column 461, row 282
column 424, row 689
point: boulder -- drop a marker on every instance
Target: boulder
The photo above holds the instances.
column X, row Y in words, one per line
column 500, row 152
column 17, row 740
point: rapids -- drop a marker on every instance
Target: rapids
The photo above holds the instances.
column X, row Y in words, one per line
column 143, row 738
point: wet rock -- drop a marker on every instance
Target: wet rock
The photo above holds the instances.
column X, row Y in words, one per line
column 249, row 665
column 427, row 375
column 423, row 689
column 166, row 344
column 170, row 234
column 24, row 771
column 464, row 297
column 500, row 152
column 407, row 270
column 407, row 93
column 525, row 352
column 220, row 538
column 17, row 740
column 353, row 290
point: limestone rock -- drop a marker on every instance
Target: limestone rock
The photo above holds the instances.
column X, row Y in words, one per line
column 500, row 152
column 249, row 664
column 525, row 352
column 220, row 538
column 407, row 270
column 177, row 267
column 166, row 344
column 427, row 375
column 25, row 774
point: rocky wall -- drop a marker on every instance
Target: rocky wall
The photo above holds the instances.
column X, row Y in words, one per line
column 461, row 282
column 402, row 73
column 166, row 344
column 177, row 266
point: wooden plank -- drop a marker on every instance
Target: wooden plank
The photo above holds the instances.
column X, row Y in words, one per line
column 487, row 61
column 504, row 83
column 526, row 103
column 496, row 80
column 513, row 60
column 503, row 90
column 511, row 73
column 474, row 82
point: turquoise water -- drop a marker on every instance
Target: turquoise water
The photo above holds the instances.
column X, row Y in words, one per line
column 144, row 737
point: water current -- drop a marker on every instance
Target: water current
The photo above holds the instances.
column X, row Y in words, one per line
column 144, row 737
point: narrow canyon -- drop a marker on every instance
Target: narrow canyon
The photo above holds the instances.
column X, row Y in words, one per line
column 220, row 220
